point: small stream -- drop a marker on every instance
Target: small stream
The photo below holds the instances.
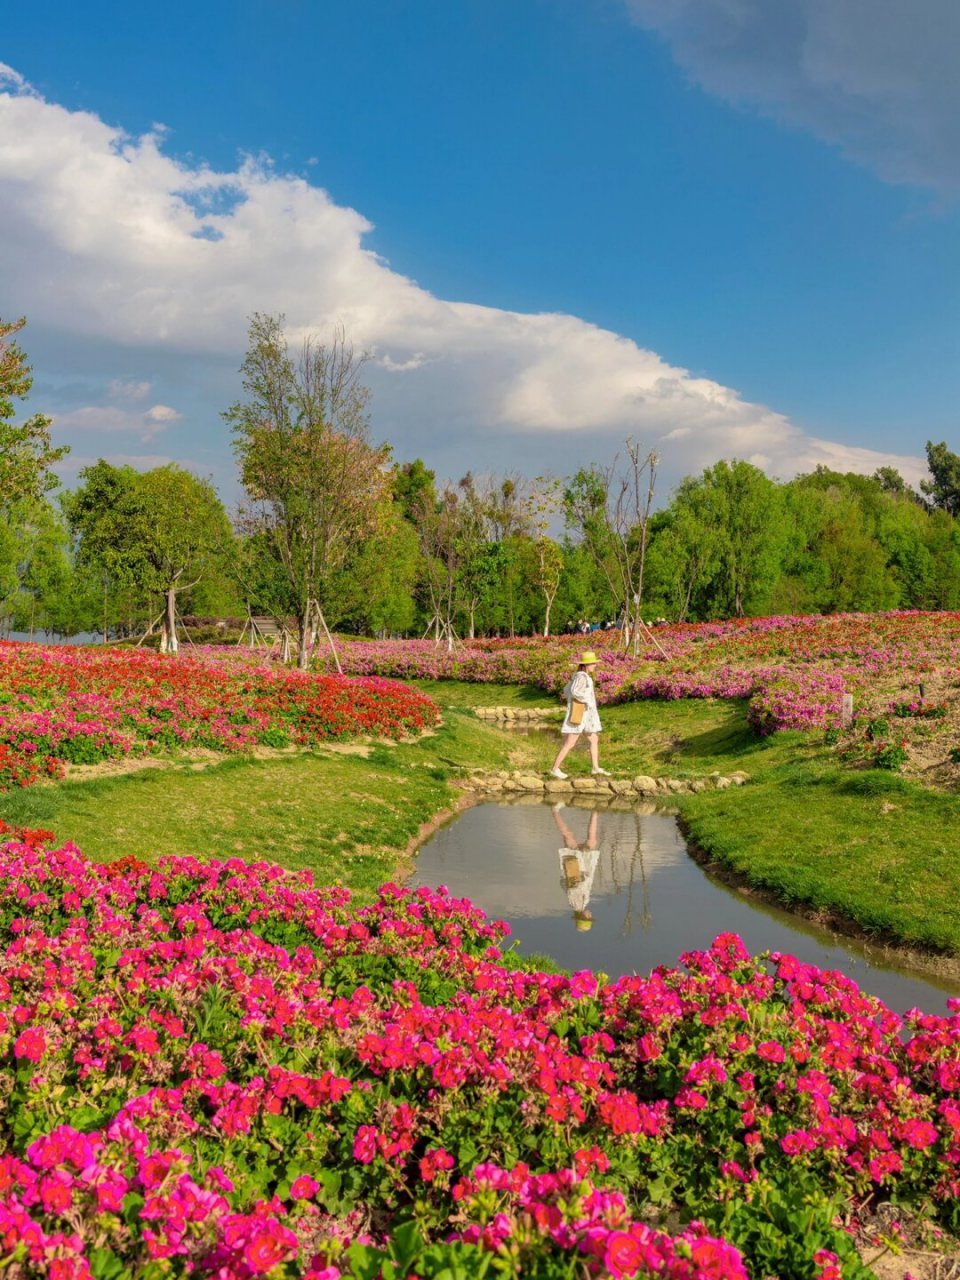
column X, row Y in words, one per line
column 617, row 891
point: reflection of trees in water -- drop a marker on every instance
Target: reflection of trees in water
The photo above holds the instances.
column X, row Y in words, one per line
column 627, row 851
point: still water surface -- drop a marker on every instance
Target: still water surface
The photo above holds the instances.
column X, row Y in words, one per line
column 617, row 891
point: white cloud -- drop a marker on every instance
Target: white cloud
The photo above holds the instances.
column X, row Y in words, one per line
column 162, row 413
column 104, row 235
column 878, row 78
column 126, row 389
column 92, row 420
column 416, row 361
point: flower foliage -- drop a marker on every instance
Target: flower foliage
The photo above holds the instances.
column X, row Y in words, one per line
column 85, row 705
column 219, row 1069
column 794, row 670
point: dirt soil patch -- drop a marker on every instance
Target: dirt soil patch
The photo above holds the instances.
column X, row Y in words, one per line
column 897, row 1246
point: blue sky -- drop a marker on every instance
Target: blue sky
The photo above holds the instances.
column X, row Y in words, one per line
column 726, row 230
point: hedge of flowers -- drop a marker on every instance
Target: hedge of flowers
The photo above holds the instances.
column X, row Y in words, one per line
column 85, row 705
column 218, row 1069
column 794, row 670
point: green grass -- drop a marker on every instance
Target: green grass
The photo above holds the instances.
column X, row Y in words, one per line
column 872, row 847
column 463, row 693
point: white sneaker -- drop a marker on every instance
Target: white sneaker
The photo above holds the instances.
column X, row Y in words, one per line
column 558, row 773
column 600, row 773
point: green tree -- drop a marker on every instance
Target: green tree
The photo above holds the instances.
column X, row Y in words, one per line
column 314, row 485
column 610, row 509
column 542, row 506
column 944, row 488
column 53, row 597
column 438, row 530
column 746, row 508
column 685, row 547
column 583, row 592
column 475, row 573
column 26, row 453
column 845, row 566
column 865, row 543
column 410, row 481
column 160, row 532
column 942, row 542
column 374, row 590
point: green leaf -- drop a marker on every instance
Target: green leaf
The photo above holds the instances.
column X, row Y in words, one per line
column 105, row 1265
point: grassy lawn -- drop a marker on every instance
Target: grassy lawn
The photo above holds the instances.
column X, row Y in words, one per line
column 680, row 739
column 871, row 846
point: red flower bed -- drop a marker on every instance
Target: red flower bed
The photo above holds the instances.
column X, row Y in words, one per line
column 84, row 705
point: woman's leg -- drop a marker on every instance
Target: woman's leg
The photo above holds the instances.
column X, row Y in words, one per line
column 592, row 830
column 569, row 742
column 594, row 740
column 566, row 835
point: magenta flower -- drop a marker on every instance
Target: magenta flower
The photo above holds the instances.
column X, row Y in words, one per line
column 30, row 1044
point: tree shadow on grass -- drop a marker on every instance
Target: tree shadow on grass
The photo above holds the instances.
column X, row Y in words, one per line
column 732, row 738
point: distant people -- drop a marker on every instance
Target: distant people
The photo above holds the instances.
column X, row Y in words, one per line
column 578, row 866
column 582, row 716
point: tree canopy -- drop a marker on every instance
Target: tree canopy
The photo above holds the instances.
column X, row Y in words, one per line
column 26, row 452
column 314, row 485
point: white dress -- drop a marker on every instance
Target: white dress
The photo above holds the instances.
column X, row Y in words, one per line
column 578, row 888
column 580, row 688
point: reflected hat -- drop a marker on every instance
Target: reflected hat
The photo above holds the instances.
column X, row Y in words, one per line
column 587, row 659
column 583, row 921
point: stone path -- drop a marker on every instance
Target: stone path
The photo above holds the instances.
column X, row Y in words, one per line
column 501, row 782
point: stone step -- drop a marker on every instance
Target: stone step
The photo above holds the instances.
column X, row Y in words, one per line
column 528, row 783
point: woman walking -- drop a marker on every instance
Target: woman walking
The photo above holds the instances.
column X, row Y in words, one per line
column 582, row 716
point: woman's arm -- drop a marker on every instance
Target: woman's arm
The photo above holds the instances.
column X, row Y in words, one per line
column 581, row 687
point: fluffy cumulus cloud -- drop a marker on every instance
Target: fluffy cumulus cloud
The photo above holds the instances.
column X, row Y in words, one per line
column 106, row 236
column 876, row 77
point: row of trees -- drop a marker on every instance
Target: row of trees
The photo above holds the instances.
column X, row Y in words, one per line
column 332, row 533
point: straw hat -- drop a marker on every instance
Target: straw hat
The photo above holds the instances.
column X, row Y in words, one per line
column 583, row 920
column 587, row 659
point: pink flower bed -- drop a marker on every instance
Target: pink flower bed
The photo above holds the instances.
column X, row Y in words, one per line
column 794, row 670
column 220, row 1069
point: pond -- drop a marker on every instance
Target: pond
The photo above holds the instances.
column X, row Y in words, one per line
column 616, row 891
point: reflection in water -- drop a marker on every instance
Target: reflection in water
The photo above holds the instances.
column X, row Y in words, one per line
column 628, row 896
column 578, row 866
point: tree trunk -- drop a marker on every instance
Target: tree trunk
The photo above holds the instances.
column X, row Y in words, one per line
column 546, row 620
column 168, row 636
column 303, row 639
